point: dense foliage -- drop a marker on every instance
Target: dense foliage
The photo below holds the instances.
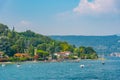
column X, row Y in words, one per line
column 12, row 42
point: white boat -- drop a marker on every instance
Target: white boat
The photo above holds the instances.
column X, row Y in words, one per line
column 103, row 63
column 3, row 65
column 82, row 65
column 18, row 65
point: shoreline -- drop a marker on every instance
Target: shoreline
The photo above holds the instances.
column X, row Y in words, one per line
column 51, row 61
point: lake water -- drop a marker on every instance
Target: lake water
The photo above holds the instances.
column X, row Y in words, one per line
column 93, row 70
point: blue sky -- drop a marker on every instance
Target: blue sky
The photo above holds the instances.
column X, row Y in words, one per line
column 62, row 17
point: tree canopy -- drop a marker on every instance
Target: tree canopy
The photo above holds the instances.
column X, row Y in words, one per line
column 12, row 42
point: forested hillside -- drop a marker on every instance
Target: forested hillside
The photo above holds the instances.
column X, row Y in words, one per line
column 12, row 42
column 102, row 44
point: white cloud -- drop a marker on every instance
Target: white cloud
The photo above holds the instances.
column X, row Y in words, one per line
column 97, row 6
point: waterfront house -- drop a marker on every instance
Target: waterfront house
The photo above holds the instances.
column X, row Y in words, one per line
column 63, row 55
column 26, row 55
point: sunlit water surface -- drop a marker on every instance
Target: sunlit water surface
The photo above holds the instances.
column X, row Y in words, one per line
column 93, row 70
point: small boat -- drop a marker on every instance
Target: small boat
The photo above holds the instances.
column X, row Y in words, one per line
column 103, row 63
column 3, row 65
column 18, row 65
column 82, row 65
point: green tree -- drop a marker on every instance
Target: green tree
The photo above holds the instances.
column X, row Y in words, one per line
column 3, row 29
column 12, row 42
column 42, row 54
column 5, row 45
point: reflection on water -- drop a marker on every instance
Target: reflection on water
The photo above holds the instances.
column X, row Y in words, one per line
column 93, row 70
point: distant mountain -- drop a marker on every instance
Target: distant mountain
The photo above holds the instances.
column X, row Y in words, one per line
column 102, row 44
